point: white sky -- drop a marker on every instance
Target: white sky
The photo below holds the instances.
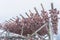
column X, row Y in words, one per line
column 12, row 8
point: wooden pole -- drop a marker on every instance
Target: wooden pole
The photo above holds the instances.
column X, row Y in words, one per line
column 42, row 6
column 50, row 31
column 27, row 14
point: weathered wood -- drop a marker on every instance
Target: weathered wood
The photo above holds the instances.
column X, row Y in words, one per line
column 22, row 16
column 42, row 6
column 31, row 14
column 35, row 9
column 7, row 21
column 11, row 19
column 27, row 14
column 52, row 6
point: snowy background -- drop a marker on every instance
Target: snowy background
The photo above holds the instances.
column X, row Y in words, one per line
column 12, row 8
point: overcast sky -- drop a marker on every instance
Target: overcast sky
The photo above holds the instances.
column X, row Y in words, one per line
column 12, row 8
